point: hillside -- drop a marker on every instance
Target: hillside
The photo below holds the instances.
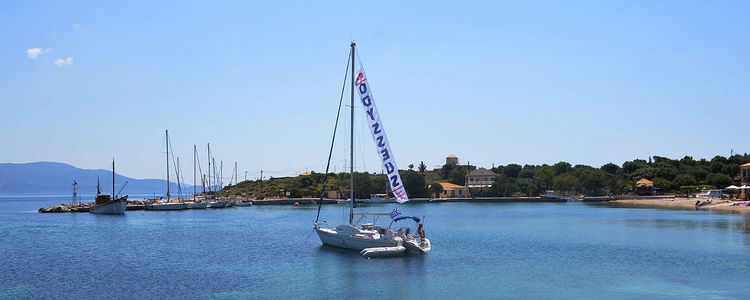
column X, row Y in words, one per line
column 52, row 178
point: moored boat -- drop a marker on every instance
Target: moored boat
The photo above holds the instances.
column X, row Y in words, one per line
column 549, row 196
column 106, row 204
column 243, row 203
column 380, row 240
column 381, row 198
column 166, row 205
column 196, row 205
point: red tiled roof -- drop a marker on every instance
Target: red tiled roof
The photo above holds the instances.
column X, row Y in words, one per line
column 644, row 182
column 447, row 185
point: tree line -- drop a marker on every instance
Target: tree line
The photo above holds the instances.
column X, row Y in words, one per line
column 669, row 176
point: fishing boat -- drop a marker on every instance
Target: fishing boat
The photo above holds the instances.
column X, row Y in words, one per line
column 106, row 204
column 381, row 198
column 168, row 204
column 352, row 235
column 550, row 196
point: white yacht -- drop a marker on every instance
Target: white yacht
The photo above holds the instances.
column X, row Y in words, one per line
column 376, row 239
column 166, row 205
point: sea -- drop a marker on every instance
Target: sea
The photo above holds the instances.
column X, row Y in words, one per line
column 480, row 251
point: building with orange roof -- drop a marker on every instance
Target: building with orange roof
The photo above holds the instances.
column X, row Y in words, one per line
column 644, row 183
column 745, row 174
column 453, row 190
column 451, row 160
column 645, row 187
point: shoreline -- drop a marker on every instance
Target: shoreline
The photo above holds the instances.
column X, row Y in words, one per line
column 681, row 203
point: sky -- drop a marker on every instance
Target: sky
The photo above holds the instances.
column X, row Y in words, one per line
column 588, row 82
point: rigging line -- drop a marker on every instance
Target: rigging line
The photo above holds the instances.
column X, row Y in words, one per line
column 333, row 140
column 176, row 170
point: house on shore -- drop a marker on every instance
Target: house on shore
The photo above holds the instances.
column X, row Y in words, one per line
column 745, row 174
column 480, row 178
column 453, row 190
column 645, row 187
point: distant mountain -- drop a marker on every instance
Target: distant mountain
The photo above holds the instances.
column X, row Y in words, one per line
column 52, row 178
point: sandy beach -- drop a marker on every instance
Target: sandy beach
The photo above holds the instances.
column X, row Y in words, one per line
column 684, row 203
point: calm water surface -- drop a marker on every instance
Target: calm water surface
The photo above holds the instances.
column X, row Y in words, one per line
column 494, row 250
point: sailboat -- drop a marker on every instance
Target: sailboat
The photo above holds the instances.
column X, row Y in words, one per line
column 373, row 240
column 106, row 204
column 212, row 203
column 196, row 203
column 166, row 205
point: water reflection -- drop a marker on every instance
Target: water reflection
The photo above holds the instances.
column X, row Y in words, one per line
column 349, row 275
column 738, row 225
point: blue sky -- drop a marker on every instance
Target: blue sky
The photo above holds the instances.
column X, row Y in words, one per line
column 536, row 82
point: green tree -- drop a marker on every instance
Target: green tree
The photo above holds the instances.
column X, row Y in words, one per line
column 610, row 168
column 683, row 180
column 528, row 171
column 566, row 183
column 414, row 184
column 512, row 170
column 422, row 167
column 436, row 189
column 544, row 176
column 593, row 181
column 664, row 184
column 528, row 187
column 363, row 185
column 719, row 180
column 504, row 186
column 561, row 168
column 411, row 167
column 458, row 176
column 446, row 170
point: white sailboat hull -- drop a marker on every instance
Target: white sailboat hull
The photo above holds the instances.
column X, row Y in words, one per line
column 379, row 199
column 216, row 204
column 110, row 208
column 333, row 238
column 197, row 205
column 166, row 206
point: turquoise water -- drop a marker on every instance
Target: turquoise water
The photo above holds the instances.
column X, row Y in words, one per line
column 491, row 250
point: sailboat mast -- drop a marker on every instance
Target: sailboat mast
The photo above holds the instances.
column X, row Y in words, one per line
column 209, row 166
column 351, row 145
column 195, row 157
column 113, row 179
column 167, row 139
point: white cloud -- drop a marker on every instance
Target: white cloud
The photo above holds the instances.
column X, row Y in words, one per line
column 33, row 53
column 64, row 62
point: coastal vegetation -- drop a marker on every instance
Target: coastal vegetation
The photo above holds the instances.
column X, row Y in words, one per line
column 684, row 175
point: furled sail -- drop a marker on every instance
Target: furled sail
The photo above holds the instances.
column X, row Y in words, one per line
column 379, row 137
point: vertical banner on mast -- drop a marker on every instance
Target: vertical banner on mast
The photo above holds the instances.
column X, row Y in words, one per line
column 378, row 136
